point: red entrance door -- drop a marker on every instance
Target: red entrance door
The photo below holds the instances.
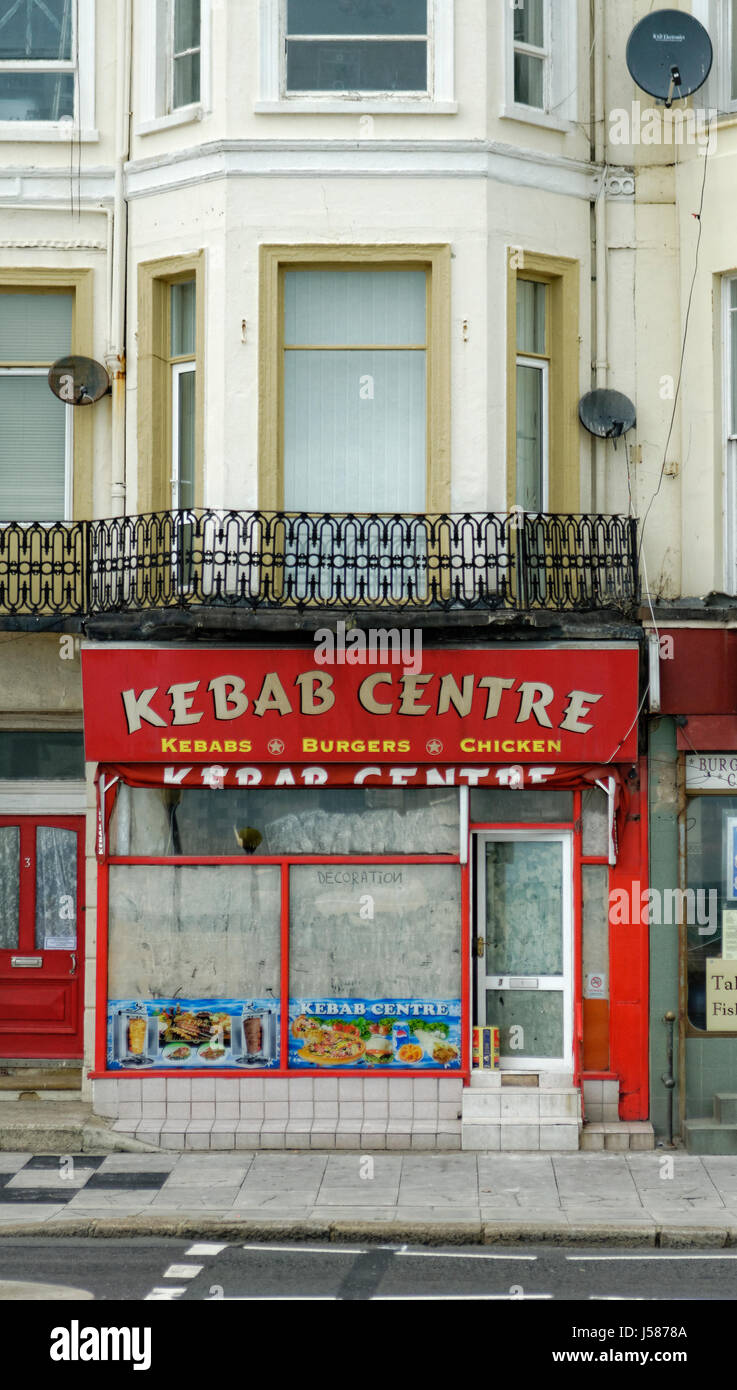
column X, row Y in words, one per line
column 41, row 936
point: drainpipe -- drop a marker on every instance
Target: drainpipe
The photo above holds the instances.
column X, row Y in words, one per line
column 601, row 363
column 115, row 355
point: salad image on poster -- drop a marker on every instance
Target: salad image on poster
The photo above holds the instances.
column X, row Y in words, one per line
column 367, row 1033
column 201, row 1033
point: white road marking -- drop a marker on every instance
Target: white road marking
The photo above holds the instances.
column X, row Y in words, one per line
column 307, row 1249
column 457, row 1255
column 182, row 1271
column 169, row 1293
column 205, row 1249
column 460, row 1297
column 673, row 1256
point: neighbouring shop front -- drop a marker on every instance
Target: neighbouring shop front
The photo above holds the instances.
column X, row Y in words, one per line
column 308, row 872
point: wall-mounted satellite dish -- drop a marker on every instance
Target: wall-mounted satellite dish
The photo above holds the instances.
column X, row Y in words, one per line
column 607, row 414
column 669, row 55
column 78, row 380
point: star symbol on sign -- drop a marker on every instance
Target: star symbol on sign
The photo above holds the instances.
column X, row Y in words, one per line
column 276, row 746
column 434, row 746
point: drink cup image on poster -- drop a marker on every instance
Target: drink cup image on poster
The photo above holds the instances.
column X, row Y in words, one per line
column 192, row 1033
column 721, row 995
column 367, row 1033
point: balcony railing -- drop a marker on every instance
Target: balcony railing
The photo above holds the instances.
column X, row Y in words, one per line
column 276, row 560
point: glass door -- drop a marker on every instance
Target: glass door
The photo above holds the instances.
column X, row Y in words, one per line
column 524, row 948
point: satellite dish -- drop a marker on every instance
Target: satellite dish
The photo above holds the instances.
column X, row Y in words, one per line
column 608, row 414
column 78, row 380
column 669, row 55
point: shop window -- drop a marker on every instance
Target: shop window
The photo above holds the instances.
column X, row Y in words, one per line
column 711, row 850
column 350, row 820
column 595, row 965
column 499, row 806
column 36, row 438
column 27, row 756
column 375, row 949
column 193, row 967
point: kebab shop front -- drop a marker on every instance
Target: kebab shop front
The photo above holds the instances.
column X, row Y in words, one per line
column 308, row 872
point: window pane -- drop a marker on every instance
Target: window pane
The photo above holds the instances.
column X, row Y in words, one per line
column 56, row 888
column 529, row 23
column 183, row 318
column 36, row 96
column 524, row 924
column 35, row 29
column 32, row 450
column 337, row 820
column 529, row 80
column 26, row 756
column 355, row 307
column 530, row 439
column 355, row 431
column 368, row 17
column 186, row 393
column 35, row 327
column 186, row 80
column 409, row 948
column 531, row 303
column 595, row 946
column 357, row 67
column 595, row 811
column 206, row 929
column 538, row 1014
column 186, row 25
column 9, row 886
column 492, row 805
column 707, row 829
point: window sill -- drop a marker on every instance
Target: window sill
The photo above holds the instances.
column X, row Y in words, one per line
column 184, row 116
column 47, row 132
column 331, row 106
column 529, row 115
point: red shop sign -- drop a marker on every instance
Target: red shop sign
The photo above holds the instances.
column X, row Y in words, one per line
column 571, row 704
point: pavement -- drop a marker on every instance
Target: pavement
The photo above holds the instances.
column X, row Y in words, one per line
column 666, row 1199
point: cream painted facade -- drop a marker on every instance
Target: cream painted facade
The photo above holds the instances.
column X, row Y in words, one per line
column 242, row 170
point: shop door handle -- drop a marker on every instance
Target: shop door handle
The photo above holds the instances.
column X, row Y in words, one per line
column 73, row 970
column 480, row 946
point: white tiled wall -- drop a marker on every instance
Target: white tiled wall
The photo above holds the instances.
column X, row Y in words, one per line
column 301, row 1112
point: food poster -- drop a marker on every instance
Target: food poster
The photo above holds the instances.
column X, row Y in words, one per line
column 404, row 1034
column 171, row 1033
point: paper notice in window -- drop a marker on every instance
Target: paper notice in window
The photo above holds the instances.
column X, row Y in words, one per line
column 69, row 943
column 729, row 933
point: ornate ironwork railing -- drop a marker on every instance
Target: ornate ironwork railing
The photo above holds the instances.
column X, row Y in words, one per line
column 267, row 560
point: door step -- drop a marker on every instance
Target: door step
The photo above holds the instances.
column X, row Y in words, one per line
column 40, row 1083
column 524, row 1118
column 59, row 1128
column 617, row 1136
column 717, row 1134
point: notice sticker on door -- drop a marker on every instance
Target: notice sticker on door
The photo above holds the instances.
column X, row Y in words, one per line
column 595, row 987
column 60, row 943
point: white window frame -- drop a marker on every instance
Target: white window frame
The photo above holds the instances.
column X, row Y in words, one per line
column 729, row 442
column 155, row 66
column 439, row 99
column 560, row 79
column 68, row 449
column 178, row 369
column 716, row 16
column 542, row 365
column 82, row 127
